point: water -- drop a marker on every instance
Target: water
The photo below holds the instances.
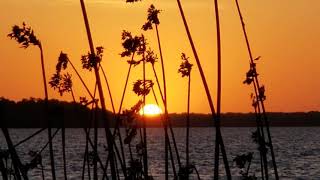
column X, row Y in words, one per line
column 297, row 150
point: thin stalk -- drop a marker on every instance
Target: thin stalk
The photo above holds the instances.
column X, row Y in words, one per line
column 82, row 81
column 85, row 156
column 262, row 158
column 145, row 154
column 72, row 94
column 167, row 120
column 42, row 172
column 169, row 146
column 47, row 109
column 204, row 82
column 108, row 86
column 217, row 121
column 3, row 170
column 95, row 148
column 17, row 165
column 262, row 143
column 64, row 152
column 125, row 85
column 28, row 138
column 188, row 124
column 158, row 83
column 260, row 100
column 123, row 160
column 102, row 101
column 164, row 97
column 218, row 114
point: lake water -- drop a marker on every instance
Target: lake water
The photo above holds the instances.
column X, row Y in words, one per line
column 297, row 150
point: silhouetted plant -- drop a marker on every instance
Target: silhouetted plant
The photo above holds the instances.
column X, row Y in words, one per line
column 243, row 162
column 135, row 170
column 35, row 161
column 62, row 62
column 258, row 104
column 142, row 88
column 185, row 70
column 92, row 157
column 90, row 61
column 24, row 35
column 62, row 83
column 151, row 57
column 129, row 120
column 59, row 81
column 131, row 44
column 215, row 115
column 185, row 66
column 152, row 18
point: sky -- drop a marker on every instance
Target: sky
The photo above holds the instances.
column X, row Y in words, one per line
column 284, row 33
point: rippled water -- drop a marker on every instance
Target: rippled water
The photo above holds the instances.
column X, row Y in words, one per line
column 297, row 150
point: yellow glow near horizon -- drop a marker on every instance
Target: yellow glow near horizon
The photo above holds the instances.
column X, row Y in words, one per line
column 150, row 110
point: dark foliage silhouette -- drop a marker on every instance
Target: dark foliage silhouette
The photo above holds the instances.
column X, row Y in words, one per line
column 89, row 61
column 185, row 66
column 152, row 18
column 24, row 35
column 142, row 88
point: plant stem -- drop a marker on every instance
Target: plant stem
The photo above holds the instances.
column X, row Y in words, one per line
column 3, row 170
column 260, row 100
column 47, row 111
column 17, row 165
column 145, row 154
column 188, row 124
column 64, row 152
column 166, row 120
column 104, row 110
column 204, row 82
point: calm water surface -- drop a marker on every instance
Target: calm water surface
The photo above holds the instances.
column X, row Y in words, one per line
column 297, row 150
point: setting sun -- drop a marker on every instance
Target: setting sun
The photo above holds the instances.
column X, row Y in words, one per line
column 150, row 110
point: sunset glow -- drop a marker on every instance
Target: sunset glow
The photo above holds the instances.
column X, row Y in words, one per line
column 150, row 110
column 273, row 36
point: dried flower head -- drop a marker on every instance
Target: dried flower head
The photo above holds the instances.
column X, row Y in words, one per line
column 24, row 35
column 185, row 66
column 130, row 44
column 152, row 18
column 142, row 88
column 62, row 83
column 90, row 61
column 62, row 61
column 151, row 57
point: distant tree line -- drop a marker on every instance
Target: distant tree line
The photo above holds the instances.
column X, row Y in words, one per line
column 29, row 113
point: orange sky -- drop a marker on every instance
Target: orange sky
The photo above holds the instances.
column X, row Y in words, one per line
column 285, row 33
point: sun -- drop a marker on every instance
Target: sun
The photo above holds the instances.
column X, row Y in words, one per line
column 150, row 110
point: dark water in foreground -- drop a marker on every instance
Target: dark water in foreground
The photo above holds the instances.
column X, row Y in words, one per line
column 297, row 150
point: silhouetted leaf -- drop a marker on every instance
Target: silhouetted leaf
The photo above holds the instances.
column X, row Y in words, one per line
column 257, row 58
